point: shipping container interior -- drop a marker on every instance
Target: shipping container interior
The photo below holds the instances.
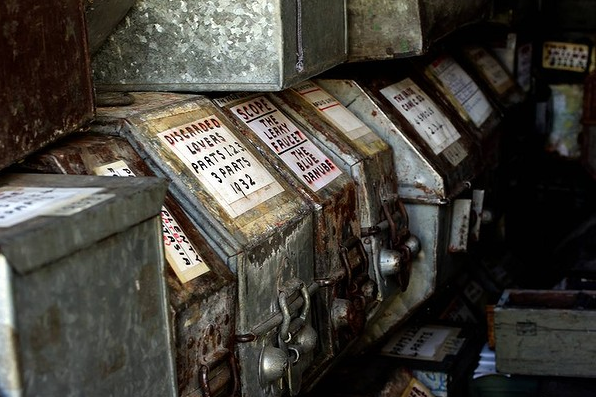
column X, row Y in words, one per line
column 364, row 198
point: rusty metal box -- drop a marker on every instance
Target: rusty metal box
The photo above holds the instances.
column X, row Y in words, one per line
column 361, row 153
column 258, row 225
column 83, row 304
column 546, row 332
column 45, row 90
column 348, row 293
column 200, row 287
column 385, row 29
column 222, row 45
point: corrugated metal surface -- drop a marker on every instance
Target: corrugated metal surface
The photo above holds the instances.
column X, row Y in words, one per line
column 85, row 287
column 222, row 45
column 45, row 75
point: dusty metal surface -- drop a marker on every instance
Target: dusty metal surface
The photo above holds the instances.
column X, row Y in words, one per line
column 45, row 76
column 93, row 317
column 341, row 264
column 221, row 45
column 249, row 216
column 201, row 288
column 385, row 29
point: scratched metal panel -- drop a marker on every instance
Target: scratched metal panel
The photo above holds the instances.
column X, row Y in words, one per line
column 45, row 75
column 369, row 160
column 263, row 232
column 201, row 288
column 385, row 29
column 284, row 142
column 222, row 45
column 94, row 320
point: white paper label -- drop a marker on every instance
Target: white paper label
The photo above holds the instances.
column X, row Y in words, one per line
column 19, row 204
column 179, row 251
column 424, row 115
column 332, row 110
column 306, row 161
column 495, row 74
column 432, row 342
column 463, row 88
column 222, row 164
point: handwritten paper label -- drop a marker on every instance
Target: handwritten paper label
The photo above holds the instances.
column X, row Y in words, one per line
column 19, row 204
column 332, row 110
column 431, row 342
column 426, row 118
column 179, row 251
column 222, row 164
column 492, row 70
column 304, row 159
column 463, row 88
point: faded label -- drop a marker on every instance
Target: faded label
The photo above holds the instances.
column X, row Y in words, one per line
column 416, row 389
column 426, row 118
column 572, row 57
column 304, row 159
column 431, row 342
column 332, row 110
column 463, row 88
column 492, row 70
column 215, row 156
column 19, row 204
column 179, row 251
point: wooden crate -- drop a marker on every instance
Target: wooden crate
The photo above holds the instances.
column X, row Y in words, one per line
column 546, row 332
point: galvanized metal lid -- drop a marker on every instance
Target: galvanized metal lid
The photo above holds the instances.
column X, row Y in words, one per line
column 46, row 217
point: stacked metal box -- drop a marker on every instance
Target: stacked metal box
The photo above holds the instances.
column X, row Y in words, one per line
column 83, row 298
column 435, row 163
column 250, row 217
column 46, row 89
column 221, row 45
column 386, row 29
column 348, row 292
column 390, row 246
column 201, row 288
